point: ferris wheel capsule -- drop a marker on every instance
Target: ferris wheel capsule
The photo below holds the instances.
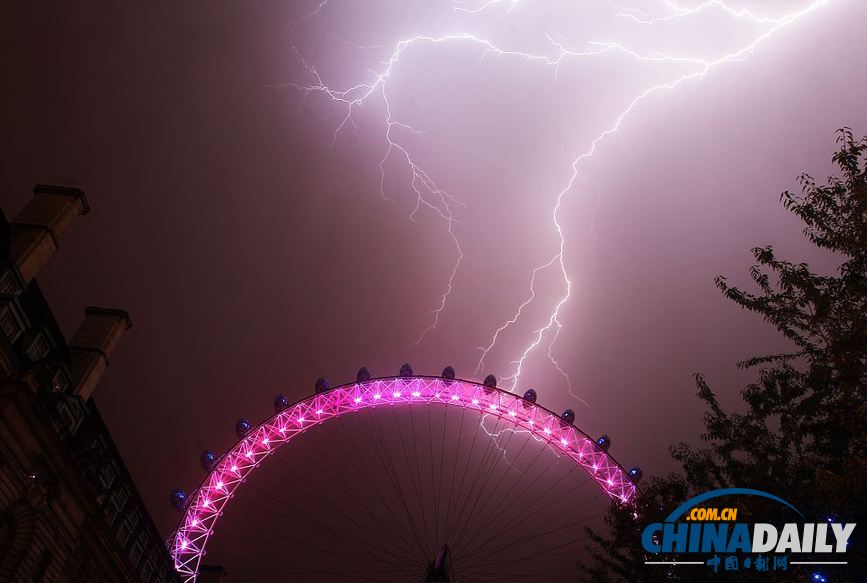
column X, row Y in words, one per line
column 530, row 395
column 242, row 427
column 490, row 381
column 208, row 459
column 363, row 375
column 604, row 442
column 635, row 474
column 321, row 385
column 448, row 373
column 405, row 370
column 178, row 499
column 281, row 401
column 568, row 416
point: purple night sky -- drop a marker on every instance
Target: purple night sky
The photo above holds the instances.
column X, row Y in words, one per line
column 243, row 221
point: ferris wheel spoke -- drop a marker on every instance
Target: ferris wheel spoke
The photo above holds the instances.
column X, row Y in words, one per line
column 527, row 510
column 510, row 498
column 488, row 576
column 319, row 526
column 538, row 533
column 384, row 453
column 383, row 526
column 324, row 500
column 357, row 459
column 348, row 576
column 415, row 478
column 507, row 501
column 479, row 511
column 297, row 515
column 461, row 498
column 286, row 569
column 482, row 468
column 484, row 548
column 299, row 572
column 433, row 480
column 504, row 575
column 446, row 521
column 531, row 556
column 479, row 503
column 285, row 542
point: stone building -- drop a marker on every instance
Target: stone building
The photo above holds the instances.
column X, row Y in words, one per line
column 68, row 508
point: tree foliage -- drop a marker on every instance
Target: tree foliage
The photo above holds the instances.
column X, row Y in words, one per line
column 802, row 428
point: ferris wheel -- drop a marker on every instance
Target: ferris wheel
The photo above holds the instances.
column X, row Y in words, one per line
column 406, row 478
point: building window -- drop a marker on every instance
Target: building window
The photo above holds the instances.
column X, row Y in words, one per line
column 115, row 504
column 8, row 283
column 126, row 527
column 133, row 519
column 110, row 514
column 123, row 533
column 70, row 410
column 136, row 551
column 10, row 323
column 147, row 570
column 69, row 415
column 97, row 444
column 119, row 498
column 60, row 381
column 37, row 346
column 107, row 474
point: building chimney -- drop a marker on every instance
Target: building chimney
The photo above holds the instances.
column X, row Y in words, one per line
column 92, row 346
column 36, row 232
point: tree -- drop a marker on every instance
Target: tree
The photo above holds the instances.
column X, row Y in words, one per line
column 802, row 430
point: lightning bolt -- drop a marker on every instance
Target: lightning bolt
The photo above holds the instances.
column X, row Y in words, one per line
column 554, row 322
column 461, row 6
column 486, row 349
column 495, row 435
column 310, row 13
column 433, row 198
column 678, row 12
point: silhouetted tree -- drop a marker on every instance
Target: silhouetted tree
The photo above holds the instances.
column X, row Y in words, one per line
column 802, row 430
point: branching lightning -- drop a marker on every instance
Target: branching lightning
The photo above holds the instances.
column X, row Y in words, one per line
column 554, row 322
column 527, row 302
column 432, row 197
column 497, row 433
column 678, row 12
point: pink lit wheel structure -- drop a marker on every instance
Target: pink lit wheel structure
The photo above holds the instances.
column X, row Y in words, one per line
column 388, row 503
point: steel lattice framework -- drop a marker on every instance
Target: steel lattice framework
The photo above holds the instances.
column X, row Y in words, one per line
column 207, row 503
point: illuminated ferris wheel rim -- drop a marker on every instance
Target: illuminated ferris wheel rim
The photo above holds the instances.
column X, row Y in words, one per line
column 206, row 504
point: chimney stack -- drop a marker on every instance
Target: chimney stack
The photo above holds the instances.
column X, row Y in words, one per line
column 36, row 232
column 92, row 346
